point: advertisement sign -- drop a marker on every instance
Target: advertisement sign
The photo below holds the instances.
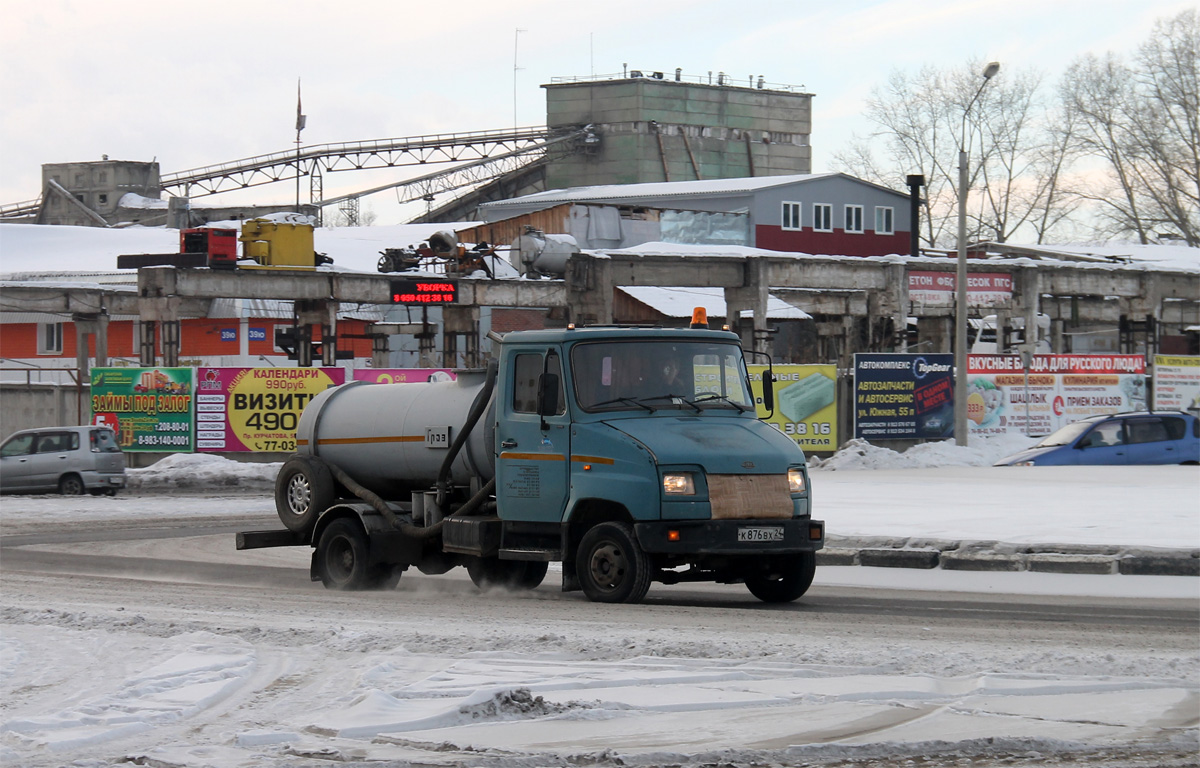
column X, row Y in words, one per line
column 936, row 289
column 1059, row 389
column 403, row 375
column 150, row 409
column 255, row 409
column 903, row 397
column 805, row 403
column 1177, row 383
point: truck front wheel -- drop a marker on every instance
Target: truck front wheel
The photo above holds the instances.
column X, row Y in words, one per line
column 303, row 490
column 343, row 560
column 612, row 568
column 786, row 580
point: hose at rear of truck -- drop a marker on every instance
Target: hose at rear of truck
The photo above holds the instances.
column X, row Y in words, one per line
column 478, row 407
column 408, row 529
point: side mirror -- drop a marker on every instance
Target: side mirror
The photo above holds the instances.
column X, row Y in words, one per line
column 769, row 390
column 547, row 396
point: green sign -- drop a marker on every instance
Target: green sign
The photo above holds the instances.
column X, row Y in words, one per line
column 150, row 409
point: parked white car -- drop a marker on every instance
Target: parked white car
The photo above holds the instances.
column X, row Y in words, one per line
column 69, row 460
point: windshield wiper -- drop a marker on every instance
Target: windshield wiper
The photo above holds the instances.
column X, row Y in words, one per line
column 710, row 397
column 626, row 400
column 672, row 398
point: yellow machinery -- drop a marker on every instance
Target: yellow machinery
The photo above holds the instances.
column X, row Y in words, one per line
column 279, row 245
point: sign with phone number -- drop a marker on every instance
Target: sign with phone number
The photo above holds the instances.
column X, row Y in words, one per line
column 256, row 409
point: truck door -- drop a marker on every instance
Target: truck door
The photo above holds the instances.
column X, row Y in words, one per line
column 533, row 450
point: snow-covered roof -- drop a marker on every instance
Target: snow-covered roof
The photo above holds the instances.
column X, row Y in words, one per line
column 34, row 248
column 662, row 191
column 679, row 302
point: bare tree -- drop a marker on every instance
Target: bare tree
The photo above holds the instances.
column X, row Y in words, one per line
column 1142, row 121
column 1015, row 158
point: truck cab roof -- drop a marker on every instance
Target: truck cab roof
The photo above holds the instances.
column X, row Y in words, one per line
column 615, row 333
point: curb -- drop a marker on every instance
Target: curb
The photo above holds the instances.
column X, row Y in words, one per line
column 881, row 552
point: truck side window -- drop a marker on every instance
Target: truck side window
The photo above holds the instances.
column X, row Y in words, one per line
column 527, row 369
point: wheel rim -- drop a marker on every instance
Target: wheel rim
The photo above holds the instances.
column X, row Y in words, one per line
column 339, row 562
column 72, row 487
column 299, row 495
column 608, row 566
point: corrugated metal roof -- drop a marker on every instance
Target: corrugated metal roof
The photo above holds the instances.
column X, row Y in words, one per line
column 668, row 189
column 679, row 302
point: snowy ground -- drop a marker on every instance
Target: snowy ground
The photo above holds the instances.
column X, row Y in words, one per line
column 200, row 669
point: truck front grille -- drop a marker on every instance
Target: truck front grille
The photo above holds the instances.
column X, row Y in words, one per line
column 737, row 497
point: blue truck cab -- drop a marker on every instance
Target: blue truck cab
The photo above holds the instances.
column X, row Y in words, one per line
column 640, row 452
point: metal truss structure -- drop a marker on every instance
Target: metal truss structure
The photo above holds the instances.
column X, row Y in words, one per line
column 480, row 156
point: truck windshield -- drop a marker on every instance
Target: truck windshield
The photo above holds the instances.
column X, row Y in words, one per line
column 653, row 375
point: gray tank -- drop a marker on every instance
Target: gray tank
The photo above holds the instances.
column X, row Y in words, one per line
column 393, row 438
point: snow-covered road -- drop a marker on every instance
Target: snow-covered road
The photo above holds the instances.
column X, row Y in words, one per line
column 134, row 665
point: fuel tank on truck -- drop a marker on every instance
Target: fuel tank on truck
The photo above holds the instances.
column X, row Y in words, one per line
column 393, row 438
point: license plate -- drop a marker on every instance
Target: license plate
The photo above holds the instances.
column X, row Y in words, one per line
column 770, row 533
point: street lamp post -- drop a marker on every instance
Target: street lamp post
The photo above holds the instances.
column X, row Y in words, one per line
column 960, row 280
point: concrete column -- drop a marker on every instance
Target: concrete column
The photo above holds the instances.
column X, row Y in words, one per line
column 589, row 290
column 752, row 295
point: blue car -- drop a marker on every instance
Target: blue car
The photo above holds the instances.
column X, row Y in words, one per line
column 1143, row 437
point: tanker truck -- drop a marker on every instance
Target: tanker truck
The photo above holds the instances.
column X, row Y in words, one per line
column 628, row 455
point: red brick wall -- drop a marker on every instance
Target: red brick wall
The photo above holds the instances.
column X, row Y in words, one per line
column 199, row 338
column 835, row 243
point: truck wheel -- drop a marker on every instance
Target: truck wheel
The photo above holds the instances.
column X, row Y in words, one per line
column 303, row 490
column 488, row 572
column 787, row 581
column 343, row 555
column 70, row 485
column 612, row 567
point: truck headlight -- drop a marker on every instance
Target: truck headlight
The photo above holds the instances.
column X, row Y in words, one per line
column 679, row 484
column 796, row 481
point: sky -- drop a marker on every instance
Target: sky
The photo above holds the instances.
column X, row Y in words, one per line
column 190, row 85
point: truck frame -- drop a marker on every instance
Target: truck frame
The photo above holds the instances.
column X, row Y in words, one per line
column 629, row 455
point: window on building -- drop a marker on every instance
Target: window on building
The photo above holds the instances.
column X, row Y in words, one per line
column 50, row 338
column 791, row 216
column 854, row 218
column 883, row 221
column 103, row 199
column 822, row 217
column 103, row 177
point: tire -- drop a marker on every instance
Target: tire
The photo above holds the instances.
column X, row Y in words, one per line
column 786, row 581
column 71, row 485
column 612, row 568
column 342, row 557
column 489, row 572
column 303, row 490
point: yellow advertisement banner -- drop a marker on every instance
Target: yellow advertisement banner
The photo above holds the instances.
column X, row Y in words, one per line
column 805, row 403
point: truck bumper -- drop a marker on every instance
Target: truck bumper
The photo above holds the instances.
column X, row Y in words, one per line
column 731, row 537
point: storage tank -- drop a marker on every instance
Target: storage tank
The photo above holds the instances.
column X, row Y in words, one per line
column 393, row 438
column 535, row 253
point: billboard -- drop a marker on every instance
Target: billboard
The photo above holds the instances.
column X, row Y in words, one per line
column 256, row 409
column 403, row 375
column 1177, row 383
column 1002, row 398
column 936, row 289
column 903, row 397
column 150, row 409
column 805, row 403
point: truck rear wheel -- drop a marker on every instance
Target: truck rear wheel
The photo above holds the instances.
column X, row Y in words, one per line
column 612, row 568
column 786, row 581
column 343, row 560
column 303, row 490
column 487, row 572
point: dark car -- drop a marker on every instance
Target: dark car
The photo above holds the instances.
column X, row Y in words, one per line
column 1144, row 437
column 70, row 460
